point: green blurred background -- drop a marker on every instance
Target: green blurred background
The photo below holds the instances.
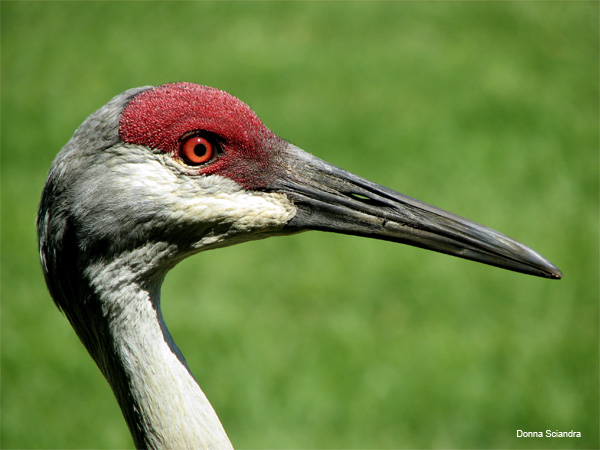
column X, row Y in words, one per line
column 489, row 110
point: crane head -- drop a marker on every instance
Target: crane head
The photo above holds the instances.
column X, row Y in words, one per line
column 160, row 173
column 194, row 168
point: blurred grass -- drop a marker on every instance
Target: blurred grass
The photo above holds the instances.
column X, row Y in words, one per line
column 489, row 110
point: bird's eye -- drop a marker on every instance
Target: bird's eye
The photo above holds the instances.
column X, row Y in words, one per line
column 197, row 150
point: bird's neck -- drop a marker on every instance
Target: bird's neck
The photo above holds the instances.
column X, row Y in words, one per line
column 160, row 399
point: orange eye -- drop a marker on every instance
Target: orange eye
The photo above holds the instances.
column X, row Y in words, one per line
column 197, row 150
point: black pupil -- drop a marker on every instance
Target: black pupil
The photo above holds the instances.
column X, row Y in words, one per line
column 200, row 150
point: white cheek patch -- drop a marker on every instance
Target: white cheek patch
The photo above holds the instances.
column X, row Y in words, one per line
column 193, row 199
column 243, row 209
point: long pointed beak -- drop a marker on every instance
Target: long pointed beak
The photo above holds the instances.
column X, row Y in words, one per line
column 331, row 199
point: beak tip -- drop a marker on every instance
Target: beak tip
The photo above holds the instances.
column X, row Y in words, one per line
column 555, row 273
column 544, row 267
column 549, row 270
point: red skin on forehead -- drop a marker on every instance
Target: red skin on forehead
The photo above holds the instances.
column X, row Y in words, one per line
column 159, row 117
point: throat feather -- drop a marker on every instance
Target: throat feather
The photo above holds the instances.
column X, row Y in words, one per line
column 161, row 401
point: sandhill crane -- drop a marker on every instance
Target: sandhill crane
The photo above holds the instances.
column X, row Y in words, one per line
column 161, row 173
